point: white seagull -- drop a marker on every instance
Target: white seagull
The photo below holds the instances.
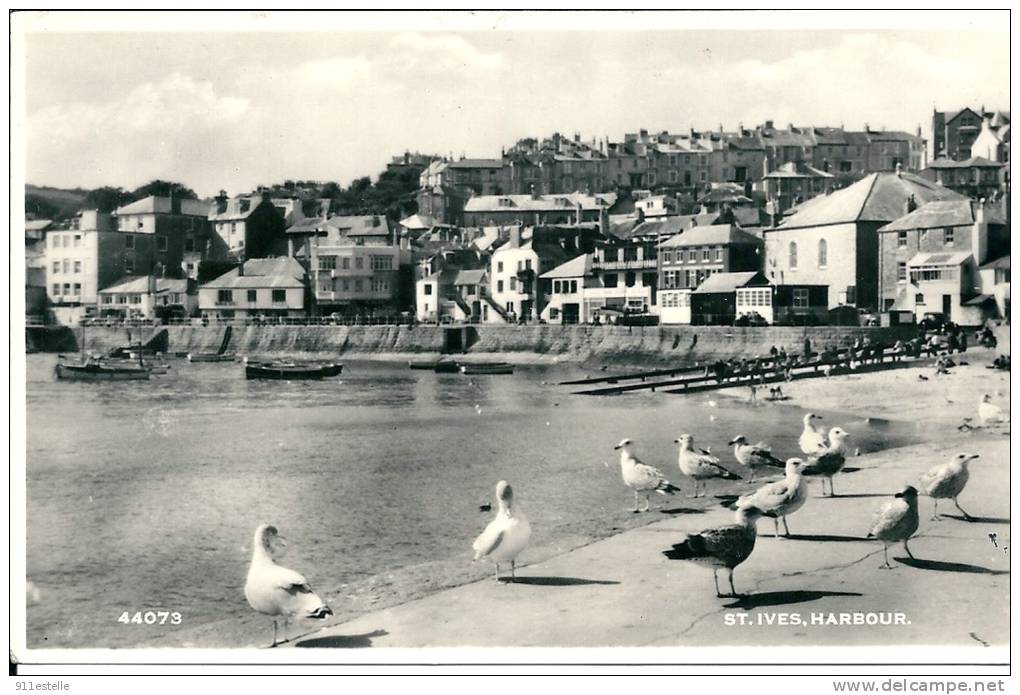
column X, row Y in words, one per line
column 277, row 591
column 753, row 456
column 990, row 413
column 782, row 498
column 723, row 547
column 896, row 521
column 811, row 439
column 640, row 477
column 829, row 460
column 507, row 535
column 946, row 481
column 699, row 464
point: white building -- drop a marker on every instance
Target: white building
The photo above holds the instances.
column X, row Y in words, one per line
column 140, row 297
column 261, row 288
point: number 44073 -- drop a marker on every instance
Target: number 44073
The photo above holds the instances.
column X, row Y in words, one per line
column 150, row 618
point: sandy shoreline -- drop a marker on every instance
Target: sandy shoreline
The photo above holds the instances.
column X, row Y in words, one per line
column 895, row 395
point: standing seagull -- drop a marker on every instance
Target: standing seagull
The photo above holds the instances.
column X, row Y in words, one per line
column 278, row 591
column 830, row 460
column 896, row 521
column 753, row 456
column 990, row 413
column 699, row 464
column 641, row 477
column 946, row 481
column 506, row 535
column 781, row 498
column 723, row 547
column 811, row 439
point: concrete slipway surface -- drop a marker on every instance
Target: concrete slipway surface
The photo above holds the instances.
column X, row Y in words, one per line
column 623, row 592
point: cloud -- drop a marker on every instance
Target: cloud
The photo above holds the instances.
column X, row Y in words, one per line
column 334, row 72
column 443, row 51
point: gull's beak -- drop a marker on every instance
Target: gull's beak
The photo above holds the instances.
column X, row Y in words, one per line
column 898, row 494
column 616, row 447
column 731, row 442
column 973, row 456
column 676, row 441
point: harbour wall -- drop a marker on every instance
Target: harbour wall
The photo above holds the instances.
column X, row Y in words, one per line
column 519, row 344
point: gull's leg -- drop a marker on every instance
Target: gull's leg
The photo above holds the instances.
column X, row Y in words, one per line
column 513, row 571
column 715, row 576
column 936, row 517
column 886, row 566
column 786, row 527
column 274, row 632
column 832, row 490
column 497, row 571
column 635, row 501
column 776, row 522
column 907, row 548
column 648, row 504
column 966, row 516
column 733, row 589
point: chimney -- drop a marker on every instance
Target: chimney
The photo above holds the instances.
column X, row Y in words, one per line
column 979, row 237
column 515, row 237
column 266, row 196
column 769, row 125
column 240, row 268
column 604, row 221
column 221, row 203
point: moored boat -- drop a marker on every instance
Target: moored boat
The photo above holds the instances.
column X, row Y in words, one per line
column 290, row 370
column 94, row 371
column 487, row 368
column 211, row 357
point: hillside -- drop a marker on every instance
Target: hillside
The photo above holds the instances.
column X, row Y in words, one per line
column 53, row 203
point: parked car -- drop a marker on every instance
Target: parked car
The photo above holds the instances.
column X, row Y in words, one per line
column 752, row 318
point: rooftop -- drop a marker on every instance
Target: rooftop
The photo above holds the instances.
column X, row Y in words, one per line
column 162, row 205
column 715, row 234
column 139, row 284
column 539, row 203
column 942, row 213
column 574, row 268
column 278, row 273
column 730, row 282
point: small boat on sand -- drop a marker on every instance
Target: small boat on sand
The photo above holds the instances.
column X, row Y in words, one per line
column 290, row 370
column 441, row 367
column 487, row 368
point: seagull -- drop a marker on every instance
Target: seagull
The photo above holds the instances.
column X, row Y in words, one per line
column 830, row 460
column 781, row 498
column 896, row 521
column 811, row 440
column 990, row 413
column 753, row 456
column 641, row 477
column 946, row 481
column 506, row 535
column 700, row 465
column 275, row 590
column 722, row 547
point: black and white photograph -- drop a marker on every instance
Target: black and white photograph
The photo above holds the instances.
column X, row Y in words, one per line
column 655, row 337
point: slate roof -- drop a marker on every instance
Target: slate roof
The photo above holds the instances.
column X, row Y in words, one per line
column 574, row 268
column 941, row 213
column 711, row 235
column 1002, row 262
column 527, row 203
column 469, row 277
column 718, row 283
column 139, row 284
column 939, row 258
column 798, row 170
column 879, row 197
column 37, row 225
column 277, row 273
column 662, row 227
column 161, row 205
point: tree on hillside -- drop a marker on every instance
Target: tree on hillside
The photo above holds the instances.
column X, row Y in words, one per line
column 163, row 189
column 106, row 198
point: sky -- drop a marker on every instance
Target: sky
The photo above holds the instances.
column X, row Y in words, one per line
column 234, row 109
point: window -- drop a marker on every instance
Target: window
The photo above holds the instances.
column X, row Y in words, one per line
column 823, row 253
column 189, row 244
column 919, row 299
column 901, row 240
column 573, row 287
column 382, row 263
column 718, row 255
column 136, row 299
column 224, row 296
column 610, row 280
column 77, row 266
column 630, row 278
column 357, row 284
column 667, row 257
column 556, row 286
column 793, row 255
column 56, row 288
column 513, row 284
column 129, row 241
column 527, row 264
column 800, row 298
column 107, row 299
column 428, row 289
column 77, row 288
column 520, row 266
column 706, row 254
column 67, row 240
column 499, row 285
column 359, row 262
column 161, row 244
column 67, row 265
column 189, row 267
column 253, row 296
column 77, row 240
column 345, row 285
column 279, row 296
column 345, row 263
column 692, row 255
column 122, row 299
column 948, row 236
column 56, row 266
column 499, row 267
column 380, row 285
column 327, row 262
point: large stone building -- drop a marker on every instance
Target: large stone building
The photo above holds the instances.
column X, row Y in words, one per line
column 833, row 240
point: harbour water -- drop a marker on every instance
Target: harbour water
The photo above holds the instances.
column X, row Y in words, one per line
column 143, row 496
